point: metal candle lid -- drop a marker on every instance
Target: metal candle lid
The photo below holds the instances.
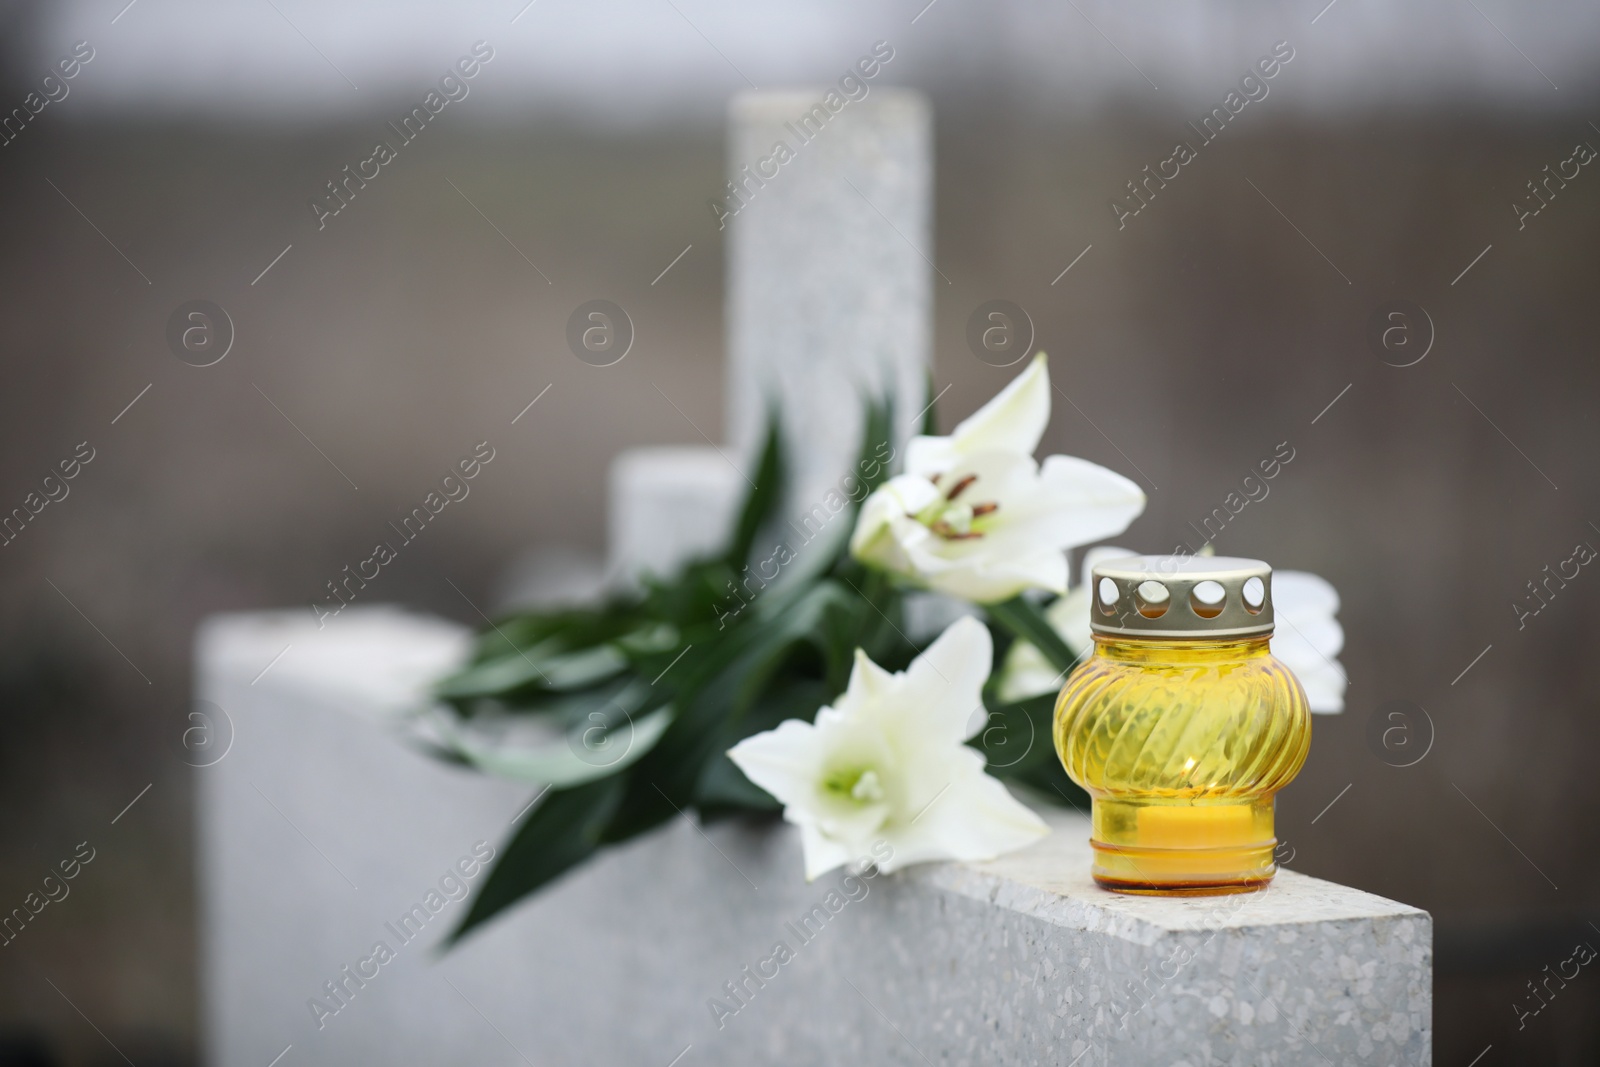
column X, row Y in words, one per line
column 1181, row 596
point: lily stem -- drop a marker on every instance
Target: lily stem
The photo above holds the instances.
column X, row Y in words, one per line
column 1026, row 620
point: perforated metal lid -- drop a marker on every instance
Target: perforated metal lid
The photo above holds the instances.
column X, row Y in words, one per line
column 1182, row 596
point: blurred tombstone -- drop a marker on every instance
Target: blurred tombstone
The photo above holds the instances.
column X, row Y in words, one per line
column 667, row 505
column 546, row 576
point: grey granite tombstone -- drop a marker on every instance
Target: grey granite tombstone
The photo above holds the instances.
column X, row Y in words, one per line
column 321, row 835
column 830, row 268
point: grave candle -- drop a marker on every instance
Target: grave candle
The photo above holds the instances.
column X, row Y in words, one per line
column 1182, row 726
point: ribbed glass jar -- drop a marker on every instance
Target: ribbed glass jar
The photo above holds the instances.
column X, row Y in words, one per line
column 1182, row 744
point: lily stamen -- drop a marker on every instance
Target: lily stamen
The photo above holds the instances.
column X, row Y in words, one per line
column 950, row 533
column 956, row 490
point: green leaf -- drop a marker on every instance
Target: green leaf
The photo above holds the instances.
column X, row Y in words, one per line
column 778, row 631
column 723, row 789
column 718, row 688
column 570, row 627
column 877, row 445
column 567, row 761
column 541, row 666
column 930, row 414
column 1016, row 737
column 650, row 639
column 562, row 709
column 662, row 783
column 584, row 667
column 1026, row 620
column 1018, row 743
column 562, row 831
column 764, row 498
column 823, row 550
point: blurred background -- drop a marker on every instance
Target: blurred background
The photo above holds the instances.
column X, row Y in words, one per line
column 1232, row 313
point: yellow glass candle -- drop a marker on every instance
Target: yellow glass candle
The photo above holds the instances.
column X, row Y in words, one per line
column 1182, row 726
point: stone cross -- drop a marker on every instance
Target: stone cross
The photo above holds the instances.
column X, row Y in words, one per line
column 829, row 304
column 829, row 276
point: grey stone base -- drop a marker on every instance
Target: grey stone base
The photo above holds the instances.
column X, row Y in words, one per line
column 318, row 831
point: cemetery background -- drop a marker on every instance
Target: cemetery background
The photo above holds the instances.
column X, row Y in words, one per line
column 1197, row 338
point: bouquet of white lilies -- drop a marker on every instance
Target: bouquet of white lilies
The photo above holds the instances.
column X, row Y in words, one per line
column 815, row 702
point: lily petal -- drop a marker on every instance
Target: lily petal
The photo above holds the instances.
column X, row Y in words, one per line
column 995, row 580
column 1305, row 596
column 1013, row 421
column 1087, row 502
column 974, row 818
column 1308, row 637
column 944, row 685
column 1026, row 673
column 823, row 853
column 786, row 762
column 1323, row 682
column 875, row 538
column 868, row 682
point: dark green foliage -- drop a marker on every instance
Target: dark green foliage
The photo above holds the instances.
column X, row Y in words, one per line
column 729, row 656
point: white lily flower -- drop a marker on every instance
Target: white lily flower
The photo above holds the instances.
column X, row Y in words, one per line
column 887, row 763
column 1307, row 639
column 975, row 516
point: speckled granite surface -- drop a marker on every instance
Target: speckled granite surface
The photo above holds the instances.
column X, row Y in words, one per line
column 1305, row 972
column 317, row 831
